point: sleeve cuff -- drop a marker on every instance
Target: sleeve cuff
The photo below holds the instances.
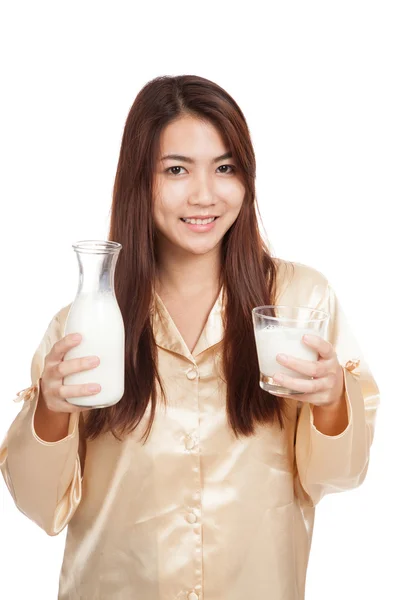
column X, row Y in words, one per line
column 333, row 463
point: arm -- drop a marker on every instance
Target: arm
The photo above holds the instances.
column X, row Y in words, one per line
column 49, row 425
column 43, row 476
column 333, row 445
column 332, row 419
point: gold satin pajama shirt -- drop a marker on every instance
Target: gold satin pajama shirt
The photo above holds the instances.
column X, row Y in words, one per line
column 194, row 513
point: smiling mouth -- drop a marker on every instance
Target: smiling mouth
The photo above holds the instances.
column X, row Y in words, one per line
column 199, row 221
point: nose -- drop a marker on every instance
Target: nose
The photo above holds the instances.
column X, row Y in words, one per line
column 202, row 193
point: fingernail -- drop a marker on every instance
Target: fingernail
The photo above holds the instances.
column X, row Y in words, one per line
column 76, row 337
column 278, row 378
column 307, row 338
column 282, row 357
column 94, row 388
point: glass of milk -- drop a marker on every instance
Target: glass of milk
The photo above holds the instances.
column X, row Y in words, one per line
column 279, row 330
column 96, row 315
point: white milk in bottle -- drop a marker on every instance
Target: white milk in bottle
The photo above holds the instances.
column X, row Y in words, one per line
column 95, row 314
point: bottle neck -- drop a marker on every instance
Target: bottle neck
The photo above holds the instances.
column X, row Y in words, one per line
column 96, row 272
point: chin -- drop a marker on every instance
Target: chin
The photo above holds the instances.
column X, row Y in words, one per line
column 200, row 250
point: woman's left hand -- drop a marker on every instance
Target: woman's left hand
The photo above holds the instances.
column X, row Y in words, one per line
column 327, row 387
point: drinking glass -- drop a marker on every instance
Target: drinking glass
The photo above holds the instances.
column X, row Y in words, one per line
column 279, row 329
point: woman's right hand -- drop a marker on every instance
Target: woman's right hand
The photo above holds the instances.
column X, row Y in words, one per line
column 52, row 391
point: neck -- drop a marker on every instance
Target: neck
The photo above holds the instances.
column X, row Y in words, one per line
column 187, row 274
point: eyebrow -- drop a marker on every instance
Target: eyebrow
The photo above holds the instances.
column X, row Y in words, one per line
column 191, row 161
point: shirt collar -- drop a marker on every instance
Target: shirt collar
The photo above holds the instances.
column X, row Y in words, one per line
column 168, row 336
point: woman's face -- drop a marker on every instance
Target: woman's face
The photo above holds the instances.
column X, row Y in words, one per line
column 197, row 191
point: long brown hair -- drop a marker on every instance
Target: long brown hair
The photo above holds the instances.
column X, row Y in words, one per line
column 248, row 271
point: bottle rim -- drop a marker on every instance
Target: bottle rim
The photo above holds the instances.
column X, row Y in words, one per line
column 96, row 246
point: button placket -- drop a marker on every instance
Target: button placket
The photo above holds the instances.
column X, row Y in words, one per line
column 193, row 508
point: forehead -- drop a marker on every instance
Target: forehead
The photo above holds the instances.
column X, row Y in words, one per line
column 193, row 137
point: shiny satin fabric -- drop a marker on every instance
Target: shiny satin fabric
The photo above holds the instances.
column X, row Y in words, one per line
column 193, row 514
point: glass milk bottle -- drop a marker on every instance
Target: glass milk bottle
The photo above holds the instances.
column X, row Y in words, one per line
column 95, row 314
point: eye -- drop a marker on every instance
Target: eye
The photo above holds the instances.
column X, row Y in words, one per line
column 171, row 172
column 231, row 167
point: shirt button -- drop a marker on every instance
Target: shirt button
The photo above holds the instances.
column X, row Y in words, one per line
column 193, row 596
column 191, row 374
column 191, row 518
column 189, row 443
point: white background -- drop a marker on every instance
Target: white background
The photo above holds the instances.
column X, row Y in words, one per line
column 319, row 85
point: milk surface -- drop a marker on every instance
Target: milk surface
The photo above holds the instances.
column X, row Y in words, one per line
column 272, row 340
column 98, row 319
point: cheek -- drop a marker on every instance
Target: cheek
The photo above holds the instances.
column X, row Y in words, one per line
column 160, row 212
column 165, row 206
column 169, row 198
column 233, row 196
column 232, row 190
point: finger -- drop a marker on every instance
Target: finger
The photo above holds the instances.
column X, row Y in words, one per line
column 305, row 367
column 307, row 386
column 76, row 365
column 61, row 347
column 324, row 348
column 76, row 391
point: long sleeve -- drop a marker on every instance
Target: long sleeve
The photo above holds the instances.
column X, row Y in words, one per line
column 328, row 464
column 44, row 478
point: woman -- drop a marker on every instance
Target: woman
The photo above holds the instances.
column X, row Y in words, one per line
column 198, row 484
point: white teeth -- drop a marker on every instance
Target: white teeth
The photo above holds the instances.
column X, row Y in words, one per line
column 199, row 221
